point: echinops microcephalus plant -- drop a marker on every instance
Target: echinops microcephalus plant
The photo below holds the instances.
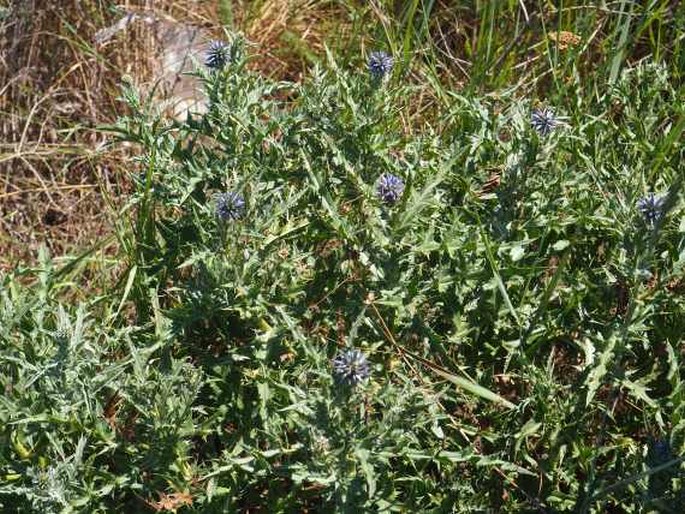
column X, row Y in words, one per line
column 333, row 296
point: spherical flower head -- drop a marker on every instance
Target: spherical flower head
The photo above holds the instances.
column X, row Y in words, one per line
column 380, row 64
column 651, row 207
column 659, row 452
column 390, row 188
column 544, row 121
column 351, row 367
column 61, row 336
column 218, row 55
column 230, row 206
column 662, row 450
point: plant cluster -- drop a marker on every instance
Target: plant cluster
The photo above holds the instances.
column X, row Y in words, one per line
column 327, row 309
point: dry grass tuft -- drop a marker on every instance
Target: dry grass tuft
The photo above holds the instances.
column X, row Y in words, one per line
column 290, row 34
column 57, row 90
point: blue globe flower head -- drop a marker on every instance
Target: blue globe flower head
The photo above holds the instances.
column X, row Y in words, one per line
column 661, row 451
column 544, row 121
column 390, row 188
column 351, row 367
column 651, row 207
column 230, row 206
column 380, row 64
column 218, row 55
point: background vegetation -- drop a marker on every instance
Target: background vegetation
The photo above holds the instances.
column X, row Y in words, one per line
column 522, row 320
